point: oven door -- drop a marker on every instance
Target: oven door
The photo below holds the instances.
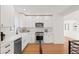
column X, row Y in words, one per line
column 39, row 38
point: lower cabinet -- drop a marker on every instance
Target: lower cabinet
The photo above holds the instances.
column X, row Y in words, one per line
column 24, row 42
column 12, row 47
column 7, row 48
column 26, row 38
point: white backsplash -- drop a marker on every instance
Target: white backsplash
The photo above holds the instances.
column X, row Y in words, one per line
column 8, row 31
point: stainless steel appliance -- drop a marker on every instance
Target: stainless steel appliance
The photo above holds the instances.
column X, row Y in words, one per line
column 17, row 46
column 39, row 36
column 39, row 25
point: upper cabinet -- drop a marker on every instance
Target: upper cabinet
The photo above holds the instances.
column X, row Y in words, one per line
column 0, row 19
column 30, row 21
column 7, row 17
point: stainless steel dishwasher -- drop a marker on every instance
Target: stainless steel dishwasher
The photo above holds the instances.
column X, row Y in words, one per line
column 17, row 46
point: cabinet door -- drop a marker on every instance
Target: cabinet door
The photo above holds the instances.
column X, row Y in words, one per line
column 0, row 29
column 24, row 41
column 27, row 38
column 7, row 16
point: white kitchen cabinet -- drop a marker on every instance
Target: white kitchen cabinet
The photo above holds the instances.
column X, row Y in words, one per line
column 7, row 18
column 7, row 48
column 24, row 41
column 9, row 44
column 0, row 29
column 7, row 15
column 26, row 38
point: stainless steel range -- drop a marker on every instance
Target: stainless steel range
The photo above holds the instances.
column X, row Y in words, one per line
column 39, row 36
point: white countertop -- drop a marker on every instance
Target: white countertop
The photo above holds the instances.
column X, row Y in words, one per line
column 11, row 38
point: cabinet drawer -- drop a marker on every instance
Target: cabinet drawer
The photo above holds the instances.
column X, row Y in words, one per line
column 7, row 48
column 7, row 51
column 4, row 46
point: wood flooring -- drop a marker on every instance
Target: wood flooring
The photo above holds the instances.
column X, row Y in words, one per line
column 33, row 48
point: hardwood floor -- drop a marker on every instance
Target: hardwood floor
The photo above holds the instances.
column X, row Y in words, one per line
column 53, row 49
column 33, row 48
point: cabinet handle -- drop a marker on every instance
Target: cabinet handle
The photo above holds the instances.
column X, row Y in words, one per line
column 7, row 46
column 7, row 52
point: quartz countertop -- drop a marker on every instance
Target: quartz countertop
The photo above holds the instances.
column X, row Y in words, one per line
column 11, row 38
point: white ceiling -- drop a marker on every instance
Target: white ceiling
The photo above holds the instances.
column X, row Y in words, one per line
column 71, row 9
column 44, row 9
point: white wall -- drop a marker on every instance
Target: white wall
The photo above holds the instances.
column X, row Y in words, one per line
column 58, row 29
column 71, row 19
column 71, row 32
column 72, row 16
